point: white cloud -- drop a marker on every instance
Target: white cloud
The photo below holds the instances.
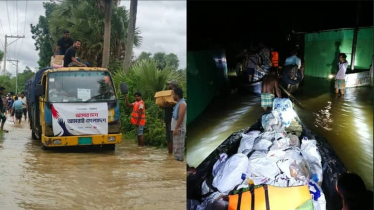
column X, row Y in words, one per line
column 162, row 25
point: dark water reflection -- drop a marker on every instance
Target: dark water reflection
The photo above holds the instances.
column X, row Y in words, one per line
column 346, row 122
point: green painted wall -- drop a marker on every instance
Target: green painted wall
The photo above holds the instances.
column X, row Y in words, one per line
column 205, row 78
column 322, row 49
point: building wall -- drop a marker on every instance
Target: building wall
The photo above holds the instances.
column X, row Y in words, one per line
column 322, row 50
column 206, row 76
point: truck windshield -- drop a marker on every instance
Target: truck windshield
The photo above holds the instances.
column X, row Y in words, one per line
column 78, row 86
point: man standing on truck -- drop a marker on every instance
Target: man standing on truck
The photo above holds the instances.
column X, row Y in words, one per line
column 138, row 116
column 172, row 85
column 269, row 83
column 69, row 58
column 63, row 44
column 178, row 124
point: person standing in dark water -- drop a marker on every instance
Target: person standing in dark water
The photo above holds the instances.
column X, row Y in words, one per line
column 340, row 76
column 270, row 86
column 172, row 85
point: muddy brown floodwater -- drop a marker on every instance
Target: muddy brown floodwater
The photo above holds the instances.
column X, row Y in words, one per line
column 129, row 178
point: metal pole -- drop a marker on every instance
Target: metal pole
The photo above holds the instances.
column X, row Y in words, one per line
column 4, row 70
column 355, row 37
column 17, row 79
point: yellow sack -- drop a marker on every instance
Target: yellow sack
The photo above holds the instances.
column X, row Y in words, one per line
column 165, row 98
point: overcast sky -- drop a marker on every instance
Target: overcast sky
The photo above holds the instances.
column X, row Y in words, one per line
column 162, row 25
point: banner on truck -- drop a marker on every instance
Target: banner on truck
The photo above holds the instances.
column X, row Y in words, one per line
column 71, row 119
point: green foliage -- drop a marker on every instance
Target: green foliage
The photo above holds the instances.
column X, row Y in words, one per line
column 144, row 56
column 144, row 76
column 42, row 37
column 85, row 21
column 171, row 60
column 1, row 55
column 9, row 82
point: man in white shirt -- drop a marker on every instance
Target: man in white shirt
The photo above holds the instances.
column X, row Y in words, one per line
column 24, row 108
column 340, row 76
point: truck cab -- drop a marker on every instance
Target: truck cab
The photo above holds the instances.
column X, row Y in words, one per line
column 75, row 106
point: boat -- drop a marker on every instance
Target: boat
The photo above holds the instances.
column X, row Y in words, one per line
column 331, row 164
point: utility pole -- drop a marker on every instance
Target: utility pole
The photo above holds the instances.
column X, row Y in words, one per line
column 5, row 48
column 355, row 32
column 16, row 75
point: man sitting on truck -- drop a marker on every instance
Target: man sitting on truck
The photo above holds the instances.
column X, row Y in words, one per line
column 69, row 59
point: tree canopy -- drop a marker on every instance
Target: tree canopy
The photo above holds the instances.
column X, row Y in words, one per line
column 85, row 21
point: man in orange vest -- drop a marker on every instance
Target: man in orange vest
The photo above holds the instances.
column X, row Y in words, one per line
column 138, row 116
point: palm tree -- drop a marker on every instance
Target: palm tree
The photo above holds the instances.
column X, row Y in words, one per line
column 130, row 33
column 146, row 77
column 106, row 6
column 85, row 21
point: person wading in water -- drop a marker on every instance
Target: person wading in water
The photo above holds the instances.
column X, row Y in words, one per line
column 270, row 86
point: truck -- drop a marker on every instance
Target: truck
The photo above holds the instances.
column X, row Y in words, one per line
column 74, row 106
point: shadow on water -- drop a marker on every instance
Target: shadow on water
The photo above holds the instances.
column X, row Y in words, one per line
column 345, row 121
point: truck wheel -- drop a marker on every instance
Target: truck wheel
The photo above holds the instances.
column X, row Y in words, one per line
column 33, row 136
column 109, row 147
column 44, row 147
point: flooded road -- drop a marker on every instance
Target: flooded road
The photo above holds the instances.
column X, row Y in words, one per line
column 129, row 178
column 346, row 122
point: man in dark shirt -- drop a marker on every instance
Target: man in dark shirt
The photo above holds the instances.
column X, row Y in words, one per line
column 2, row 111
column 168, row 115
column 63, row 44
column 69, row 57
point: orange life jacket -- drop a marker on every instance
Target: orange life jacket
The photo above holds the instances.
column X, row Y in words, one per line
column 270, row 197
column 275, row 59
column 135, row 113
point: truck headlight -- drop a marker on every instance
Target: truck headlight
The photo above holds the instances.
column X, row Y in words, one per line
column 57, row 142
column 111, row 138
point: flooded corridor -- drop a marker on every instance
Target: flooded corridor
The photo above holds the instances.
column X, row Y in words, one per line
column 346, row 122
column 129, row 178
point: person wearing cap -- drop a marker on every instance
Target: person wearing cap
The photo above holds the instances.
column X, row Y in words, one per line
column 172, row 85
column 2, row 111
column 63, row 44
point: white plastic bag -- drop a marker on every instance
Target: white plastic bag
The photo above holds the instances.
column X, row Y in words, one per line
column 294, row 166
column 220, row 162
column 319, row 200
column 262, row 166
column 229, row 175
column 247, row 141
column 313, row 157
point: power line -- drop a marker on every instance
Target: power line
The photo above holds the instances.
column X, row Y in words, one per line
column 1, row 24
column 7, row 11
column 17, row 14
column 24, row 29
